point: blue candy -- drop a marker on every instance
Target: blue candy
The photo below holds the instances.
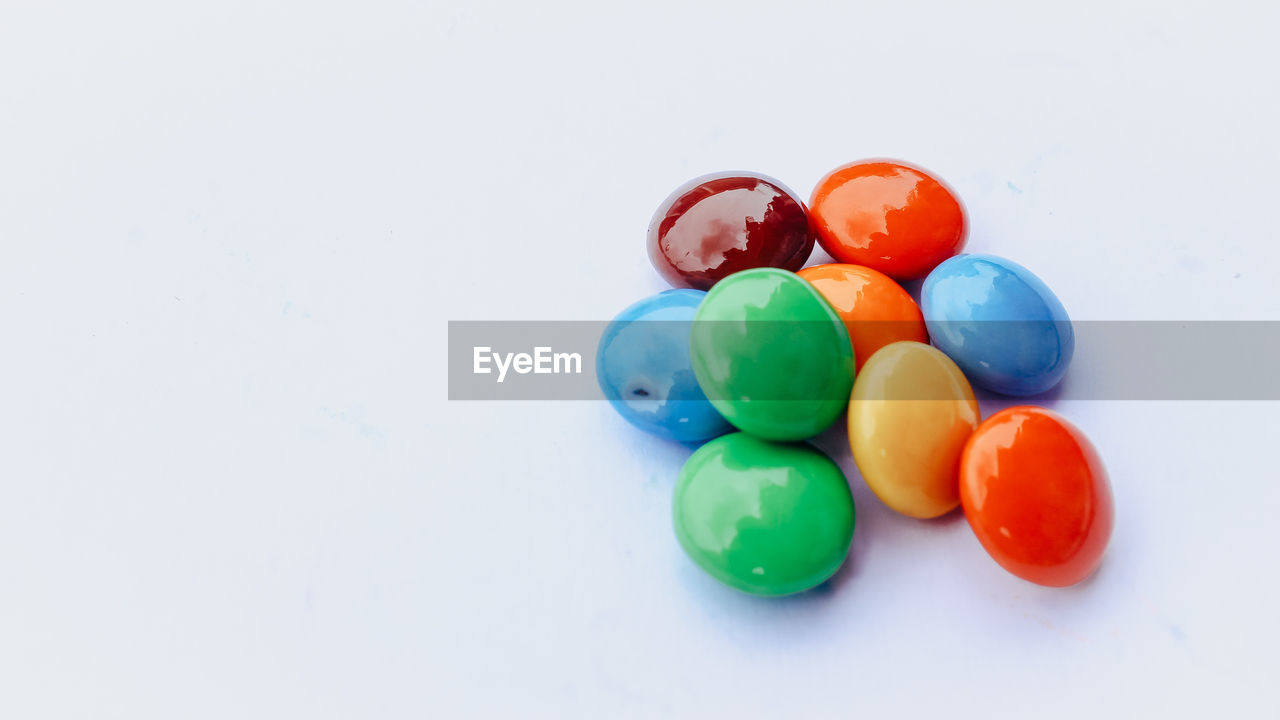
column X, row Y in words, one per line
column 644, row 369
column 1000, row 323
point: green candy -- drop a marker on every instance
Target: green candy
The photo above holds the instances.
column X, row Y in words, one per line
column 771, row 355
column 765, row 518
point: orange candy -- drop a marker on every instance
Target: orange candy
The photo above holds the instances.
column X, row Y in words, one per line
column 874, row 308
column 1037, row 496
column 889, row 216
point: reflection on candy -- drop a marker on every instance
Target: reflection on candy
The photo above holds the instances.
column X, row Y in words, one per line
column 910, row 415
column 716, row 225
column 1037, row 495
column 766, row 518
column 876, row 310
column 772, row 355
column 890, row 216
column 643, row 368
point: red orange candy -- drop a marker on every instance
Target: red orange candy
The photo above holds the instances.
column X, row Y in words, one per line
column 889, row 216
column 875, row 309
column 1037, row 496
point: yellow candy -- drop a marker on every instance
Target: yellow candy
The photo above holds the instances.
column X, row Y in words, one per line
column 909, row 417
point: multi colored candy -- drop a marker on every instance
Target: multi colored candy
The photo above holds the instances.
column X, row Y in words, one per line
column 875, row 310
column 1037, row 496
column 644, row 369
column 909, row 418
column 889, row 216
column 766, row 518
column 779, row 352
column 1001, row 324
column 716, row 225
column 772, row 355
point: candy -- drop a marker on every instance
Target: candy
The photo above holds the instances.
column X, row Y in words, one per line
column 765, row 518
column 891, row 217
column 643, row 367
column 772, row 355
column 876, row 310
column 1036, row 495
column 716, row 225
column 1001, row 324
column 909, row 417
column 778, row 352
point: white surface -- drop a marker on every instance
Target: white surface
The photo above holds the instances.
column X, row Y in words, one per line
column 231, row 484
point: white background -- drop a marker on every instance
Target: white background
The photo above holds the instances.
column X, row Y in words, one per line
column 231, row 484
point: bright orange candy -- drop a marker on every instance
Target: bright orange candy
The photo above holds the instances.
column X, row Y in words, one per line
column 892, row 217
column 874, row 308
column 1037, row 496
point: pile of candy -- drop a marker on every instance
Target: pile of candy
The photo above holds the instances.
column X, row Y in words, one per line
column 757, row 354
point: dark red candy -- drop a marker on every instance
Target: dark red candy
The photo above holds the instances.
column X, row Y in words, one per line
column 716, row 225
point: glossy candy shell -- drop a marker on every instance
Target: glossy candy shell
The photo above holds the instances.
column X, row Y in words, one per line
column 889, row 216
column 644, row 369
column 716, row 225
column 876, row 310
column 762, row 517
column 1001, row 324
column 1037, row 496
column 911, row 412
column 772, row 355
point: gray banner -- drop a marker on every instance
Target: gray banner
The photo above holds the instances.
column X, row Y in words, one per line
column 1124, row 360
